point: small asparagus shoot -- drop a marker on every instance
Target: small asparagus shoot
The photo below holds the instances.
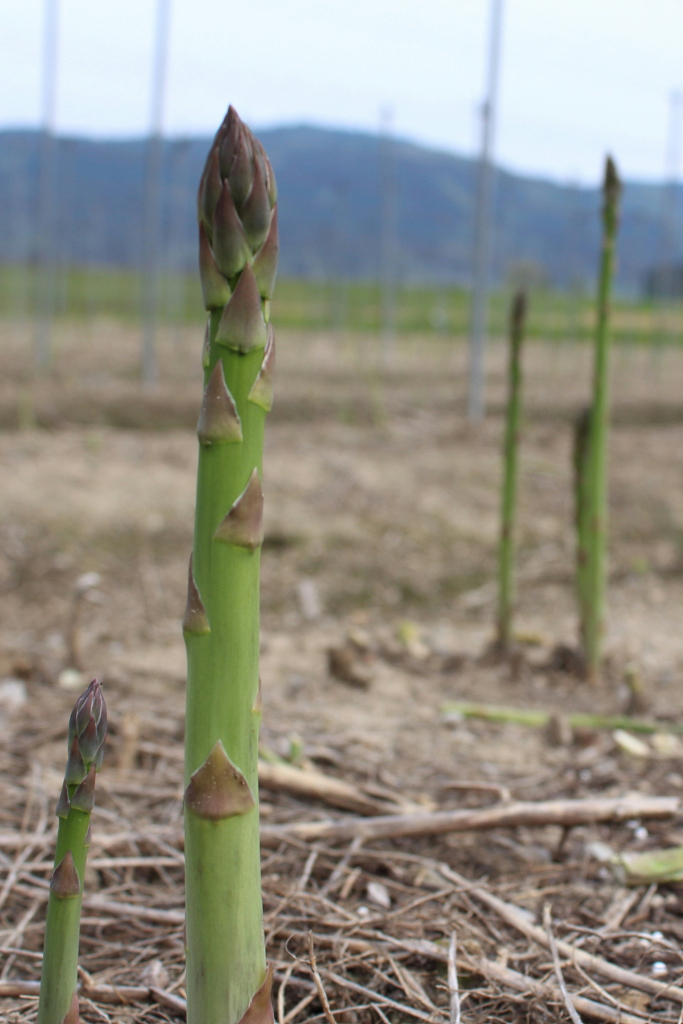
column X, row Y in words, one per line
column 87, row 731
column 506, row 551
column 596, row 467
column 227, row 977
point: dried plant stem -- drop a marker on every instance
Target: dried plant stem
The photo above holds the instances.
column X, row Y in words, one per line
column 514, row 917
column 542, row 812
column 324, row 1001
column 453, row 981
column 494, row 971
column 557, row 967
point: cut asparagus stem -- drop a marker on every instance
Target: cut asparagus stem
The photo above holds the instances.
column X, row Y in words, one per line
column 87, row 730
column 227, row 979
column 596, row 468
column 577, row 720
column 506, row 552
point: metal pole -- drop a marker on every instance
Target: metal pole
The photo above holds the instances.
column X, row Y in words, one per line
column 151, row 243
column 671, row 172
column 388, row 236
column 45, row 240
column 483, row 222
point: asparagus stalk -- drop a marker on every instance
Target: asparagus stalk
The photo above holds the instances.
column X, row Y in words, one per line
column 227, row 978
column 506, row 551
column 538, row 718
column 580, row 459
column 596, row 468
column 87, row 730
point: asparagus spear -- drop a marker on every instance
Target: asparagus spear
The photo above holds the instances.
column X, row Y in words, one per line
column 506, row 551
column 596, row 467
column 227, row 978
column 580, row 459
column 87, row 730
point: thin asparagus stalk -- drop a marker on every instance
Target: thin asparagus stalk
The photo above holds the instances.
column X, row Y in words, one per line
column 506, row 551
column 227, row 978
column 87, row 730
column 580, row 459
column 536, row 717
column 596, row 469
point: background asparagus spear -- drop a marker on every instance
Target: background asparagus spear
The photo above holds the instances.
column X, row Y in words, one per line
column 87, row 730
column 596, row 465
column 227, row 979
column 506, row 551
column 580, row 460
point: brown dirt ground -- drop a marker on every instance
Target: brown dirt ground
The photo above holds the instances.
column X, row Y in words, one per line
column 381, row 530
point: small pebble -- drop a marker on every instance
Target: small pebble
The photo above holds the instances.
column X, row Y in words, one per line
column 71, row 679
column 659, row 969
column 12, row 695
column 87, row 581
column 379, row 895
column 155, row 974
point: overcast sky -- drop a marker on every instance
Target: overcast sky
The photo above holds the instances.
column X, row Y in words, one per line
column 578, row 77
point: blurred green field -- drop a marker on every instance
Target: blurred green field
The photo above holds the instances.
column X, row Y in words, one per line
column 340, row 305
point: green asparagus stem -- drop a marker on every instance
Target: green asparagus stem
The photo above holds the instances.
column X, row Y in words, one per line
column 506, row 551
column 87, row 730
column 596, row 469
column 537, row 718
column 580, row 458
column 227, row 979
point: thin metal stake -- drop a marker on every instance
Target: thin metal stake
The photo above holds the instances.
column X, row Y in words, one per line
column 482, row 241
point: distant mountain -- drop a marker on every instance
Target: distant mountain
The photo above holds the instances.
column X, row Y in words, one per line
column 331, row 209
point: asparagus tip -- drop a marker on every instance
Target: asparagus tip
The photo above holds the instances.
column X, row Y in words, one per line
column 612, row 183
column 519, row 311
column 242, row 326
column 229, row 241
column 83, row 798
column 265, row 263
column 215, row 288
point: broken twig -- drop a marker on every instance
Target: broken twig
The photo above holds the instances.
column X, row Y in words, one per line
column 545, row 812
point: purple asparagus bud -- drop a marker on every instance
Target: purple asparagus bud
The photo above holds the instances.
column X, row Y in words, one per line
column 236, row 212
column 87, row 731
column 76, row 770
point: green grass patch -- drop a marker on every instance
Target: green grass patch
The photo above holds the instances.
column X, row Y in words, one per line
column 353, row 306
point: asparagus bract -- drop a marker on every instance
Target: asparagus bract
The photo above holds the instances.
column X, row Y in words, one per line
column 227, row 979
column 87, row 731
column 596, row 464
column 506, row 551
